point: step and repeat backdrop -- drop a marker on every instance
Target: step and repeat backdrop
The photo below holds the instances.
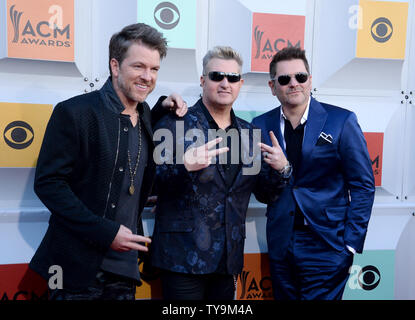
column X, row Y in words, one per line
column 362, row 57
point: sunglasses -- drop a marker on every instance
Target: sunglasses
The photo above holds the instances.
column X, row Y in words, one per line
column 218, row 76
column 285, row 79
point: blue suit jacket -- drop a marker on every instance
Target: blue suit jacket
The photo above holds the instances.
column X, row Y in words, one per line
column 197, row 216
column 334, row 185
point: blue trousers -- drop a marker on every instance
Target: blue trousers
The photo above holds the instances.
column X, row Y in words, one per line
column 311, row 269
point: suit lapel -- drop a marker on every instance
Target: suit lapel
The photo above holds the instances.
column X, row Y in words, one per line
column 204, row 126
column 315, row 122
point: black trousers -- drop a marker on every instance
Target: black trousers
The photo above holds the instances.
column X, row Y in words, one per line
column 106, row 286
column 184, row 286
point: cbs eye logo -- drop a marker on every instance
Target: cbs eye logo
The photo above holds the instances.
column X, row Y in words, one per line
column 18, row 135
column 381, row 29
column 366, row 278
column 166, row 15
column 369, row 278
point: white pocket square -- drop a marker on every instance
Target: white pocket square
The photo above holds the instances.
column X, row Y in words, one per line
column 326, row 137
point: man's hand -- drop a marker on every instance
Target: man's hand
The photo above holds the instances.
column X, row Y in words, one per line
column 201, row 157
column 125, row 240
column 274, row 155
column 175, row 102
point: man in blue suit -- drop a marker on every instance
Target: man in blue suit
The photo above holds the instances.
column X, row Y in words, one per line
column 320, row 220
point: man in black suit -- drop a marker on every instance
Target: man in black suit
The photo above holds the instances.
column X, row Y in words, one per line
column 95, row 171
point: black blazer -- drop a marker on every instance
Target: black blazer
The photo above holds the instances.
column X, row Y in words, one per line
column 78, row 178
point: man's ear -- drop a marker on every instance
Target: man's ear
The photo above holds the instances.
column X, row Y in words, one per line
column 271, row 84
column 115, row 67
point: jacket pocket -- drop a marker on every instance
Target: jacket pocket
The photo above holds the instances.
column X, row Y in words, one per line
column 176, row 225
column 336, row 213
column 326, row 151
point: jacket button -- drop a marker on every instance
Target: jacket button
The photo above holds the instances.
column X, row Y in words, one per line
column 125, row 129
column 121, row 169
column 113, row 205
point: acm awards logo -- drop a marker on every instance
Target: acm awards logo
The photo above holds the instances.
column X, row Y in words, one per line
column 25, row 295
column 366, row 278
column 374, row 142
column 18, row 135
column 270, row 47
column 252, row 289
column 42, row 33
column 375, row 165
column 167, row 15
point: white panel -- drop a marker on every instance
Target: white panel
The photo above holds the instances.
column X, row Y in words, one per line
column 3, row 29
column 411, row 51
column 334, row 42
column 236, row 33
column 297, row 7
column 21, row 233
column 16, row 188
column 104, row 23
column 379, row 114
column 409, row 155
column 405, row 264
column 256, row 238
column 386, row 225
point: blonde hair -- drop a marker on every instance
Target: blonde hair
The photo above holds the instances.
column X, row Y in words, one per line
column 222, row 52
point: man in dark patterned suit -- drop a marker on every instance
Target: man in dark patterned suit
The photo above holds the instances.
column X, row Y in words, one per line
column 199, row 233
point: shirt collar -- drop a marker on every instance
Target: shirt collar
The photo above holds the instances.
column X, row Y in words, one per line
column 212, row 122
column 113, row 100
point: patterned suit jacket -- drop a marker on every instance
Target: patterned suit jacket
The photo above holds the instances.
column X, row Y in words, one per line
column 198, row 218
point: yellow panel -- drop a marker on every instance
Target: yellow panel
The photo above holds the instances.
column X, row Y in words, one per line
column 383, row 33
column 22, row 127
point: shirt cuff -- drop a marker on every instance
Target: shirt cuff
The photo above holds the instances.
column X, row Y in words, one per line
column 352, row 250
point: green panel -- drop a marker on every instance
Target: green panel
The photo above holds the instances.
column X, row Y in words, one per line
column 371, row 276
column 248, row 115
column 176, row 19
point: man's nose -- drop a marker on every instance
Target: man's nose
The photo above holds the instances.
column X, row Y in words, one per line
column 224, row 82
column 146, row 75
column 293, row 82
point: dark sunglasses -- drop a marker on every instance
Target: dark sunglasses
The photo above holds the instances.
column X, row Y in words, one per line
column 218, row 76
column 285, row 79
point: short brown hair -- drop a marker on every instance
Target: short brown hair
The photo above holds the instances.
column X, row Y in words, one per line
column 136, row 33
column 288, row 53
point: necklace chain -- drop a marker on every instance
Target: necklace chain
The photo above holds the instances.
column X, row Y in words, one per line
column 131, row 189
